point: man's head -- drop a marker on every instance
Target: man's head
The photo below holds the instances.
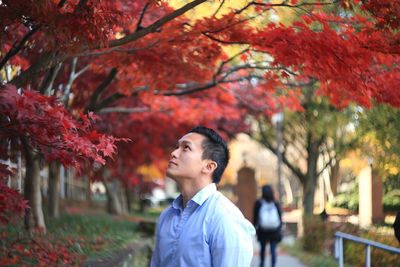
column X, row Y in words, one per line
column 215, row 149
column 201, row 152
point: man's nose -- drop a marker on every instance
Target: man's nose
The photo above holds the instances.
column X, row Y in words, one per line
column 174, row 153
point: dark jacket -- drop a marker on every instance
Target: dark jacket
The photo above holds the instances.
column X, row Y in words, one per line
column 396, row 226
column 267, row 235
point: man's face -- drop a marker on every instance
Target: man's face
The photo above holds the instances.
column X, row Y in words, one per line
column 186, row 161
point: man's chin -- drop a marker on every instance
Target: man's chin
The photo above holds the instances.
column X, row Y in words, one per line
column 169, row 174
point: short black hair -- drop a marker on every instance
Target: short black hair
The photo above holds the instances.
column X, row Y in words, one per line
column 215, row 148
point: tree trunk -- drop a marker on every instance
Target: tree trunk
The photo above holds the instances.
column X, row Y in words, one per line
column 34, row 216
column 54, row 190
column 311, row 177
column 89, row 191
column 308, row 197
column 114, row 205
column 128, row 195
column 335, row 176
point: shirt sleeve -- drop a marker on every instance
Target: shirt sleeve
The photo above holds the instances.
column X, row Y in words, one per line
column 231, row 242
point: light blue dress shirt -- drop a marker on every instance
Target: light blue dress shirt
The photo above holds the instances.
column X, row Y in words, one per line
column 209, row 231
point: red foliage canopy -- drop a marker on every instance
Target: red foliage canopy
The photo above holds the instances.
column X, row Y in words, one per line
column 48, row 127
column 169, row 72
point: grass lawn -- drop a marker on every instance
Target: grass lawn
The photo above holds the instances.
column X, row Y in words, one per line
column 95, row 235
column 70, row 240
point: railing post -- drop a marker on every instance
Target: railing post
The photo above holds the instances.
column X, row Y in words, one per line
column 341, row 252
column 368, row 256
column 337, row 248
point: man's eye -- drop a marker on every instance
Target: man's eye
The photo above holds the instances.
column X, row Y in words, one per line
column 186, row 147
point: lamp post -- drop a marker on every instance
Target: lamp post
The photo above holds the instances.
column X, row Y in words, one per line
column 277, row 120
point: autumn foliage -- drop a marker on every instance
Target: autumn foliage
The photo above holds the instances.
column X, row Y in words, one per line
column 12, row 204
column 80, row 79
column 51, row 129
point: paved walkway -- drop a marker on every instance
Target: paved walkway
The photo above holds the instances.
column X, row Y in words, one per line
column 283, row 259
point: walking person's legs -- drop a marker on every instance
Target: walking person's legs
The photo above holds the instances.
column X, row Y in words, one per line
column 273, row 245
column 262, row 252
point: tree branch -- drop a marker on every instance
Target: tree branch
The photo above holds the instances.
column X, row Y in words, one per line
column 61, row 4
column 122, row 110
column 100, row 89
column 264, row 140
column 219, row 8
column 15, row 49
column 48, row 59
column 116, row 96
column 223, row 41
column 156, row 25
column 72, row 77
column 48, row 82
column 139, row 24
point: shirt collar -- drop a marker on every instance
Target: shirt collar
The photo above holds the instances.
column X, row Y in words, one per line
column 199, row 198
column 204, row 193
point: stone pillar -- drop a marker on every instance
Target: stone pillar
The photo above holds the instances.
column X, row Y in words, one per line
column 370, row 207
column 246, row 190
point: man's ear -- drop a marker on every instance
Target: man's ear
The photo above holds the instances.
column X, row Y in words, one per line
column 210, row 167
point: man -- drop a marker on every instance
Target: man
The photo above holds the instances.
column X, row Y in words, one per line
column 202, row 227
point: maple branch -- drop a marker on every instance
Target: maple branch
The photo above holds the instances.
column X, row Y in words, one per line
column 47, row 61
column 139, row 24
column 284, row 4
column 223, row 63
column 223, row 41
column 188, row 91
column 250, row 4
column 116, row 96
column 81, row 5
column 16, row 48
column 249, row 66
column 241, row 79
column 48, row 81
column 72, row 77
column 219, row 8
column 299, row 84
column 156, row 25
column 119, row 49
column 100, row 89
column 123, row 110
column 61, row 4
column 202, row 87
column 236, row 23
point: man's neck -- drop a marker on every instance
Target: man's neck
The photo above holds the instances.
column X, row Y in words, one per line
column 189, row 190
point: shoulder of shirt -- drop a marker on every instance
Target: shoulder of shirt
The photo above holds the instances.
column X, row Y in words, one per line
column 227, row 215
column 224, row 208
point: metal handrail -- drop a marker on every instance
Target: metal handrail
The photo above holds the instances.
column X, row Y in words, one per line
column 368, row 244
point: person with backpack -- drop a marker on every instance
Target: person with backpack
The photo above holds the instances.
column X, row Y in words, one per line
column 268, row 223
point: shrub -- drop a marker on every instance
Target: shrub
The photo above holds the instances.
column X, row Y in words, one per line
column 346, row 201
column 391, row 201
column 317, row 234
